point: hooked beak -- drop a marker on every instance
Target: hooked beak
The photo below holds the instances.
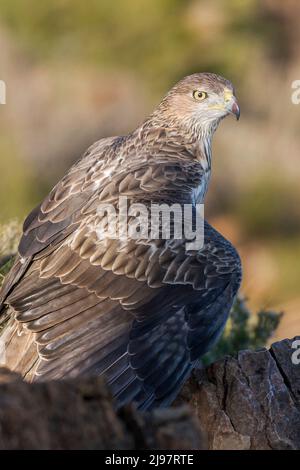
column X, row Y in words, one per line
column 234, row 108
column 231, row 103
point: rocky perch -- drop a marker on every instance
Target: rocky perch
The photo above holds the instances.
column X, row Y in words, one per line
column 251, row 401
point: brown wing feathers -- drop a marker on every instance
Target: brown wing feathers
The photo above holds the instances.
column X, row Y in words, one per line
column 139, row 311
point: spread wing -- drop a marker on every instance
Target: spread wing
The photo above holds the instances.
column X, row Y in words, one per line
column 140, row 311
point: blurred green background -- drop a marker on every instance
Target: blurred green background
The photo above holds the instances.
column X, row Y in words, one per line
column 76, row 71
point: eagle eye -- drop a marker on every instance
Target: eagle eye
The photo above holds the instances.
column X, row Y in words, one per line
column 199, row 95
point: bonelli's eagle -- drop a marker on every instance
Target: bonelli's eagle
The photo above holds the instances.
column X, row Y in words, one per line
column 140, row 311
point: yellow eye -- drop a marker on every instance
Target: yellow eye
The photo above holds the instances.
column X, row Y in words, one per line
column 199, row 95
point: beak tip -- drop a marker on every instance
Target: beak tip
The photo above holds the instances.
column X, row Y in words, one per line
column 236, row 110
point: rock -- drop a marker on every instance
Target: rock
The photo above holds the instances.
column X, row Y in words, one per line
column 79, row 414
column 251, row 401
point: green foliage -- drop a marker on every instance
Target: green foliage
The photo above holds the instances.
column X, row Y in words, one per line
column 17, row 188
column 9, row 240
column 269, row 208
column 242, row 332
column 160, row 39
column 5, row 267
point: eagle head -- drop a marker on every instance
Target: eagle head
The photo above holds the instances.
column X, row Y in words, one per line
column 198, row 102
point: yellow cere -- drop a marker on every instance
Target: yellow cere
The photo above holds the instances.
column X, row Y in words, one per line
column 227, row 94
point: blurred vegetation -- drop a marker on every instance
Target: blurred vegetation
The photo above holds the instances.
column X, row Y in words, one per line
column 244, row 331
column 10, row 234
column 162, row 40
column 5, row 266
column 9, row 239
column 269, row 208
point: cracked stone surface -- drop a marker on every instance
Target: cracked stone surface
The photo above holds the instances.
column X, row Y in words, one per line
column 251, row 401
column 80, row 414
